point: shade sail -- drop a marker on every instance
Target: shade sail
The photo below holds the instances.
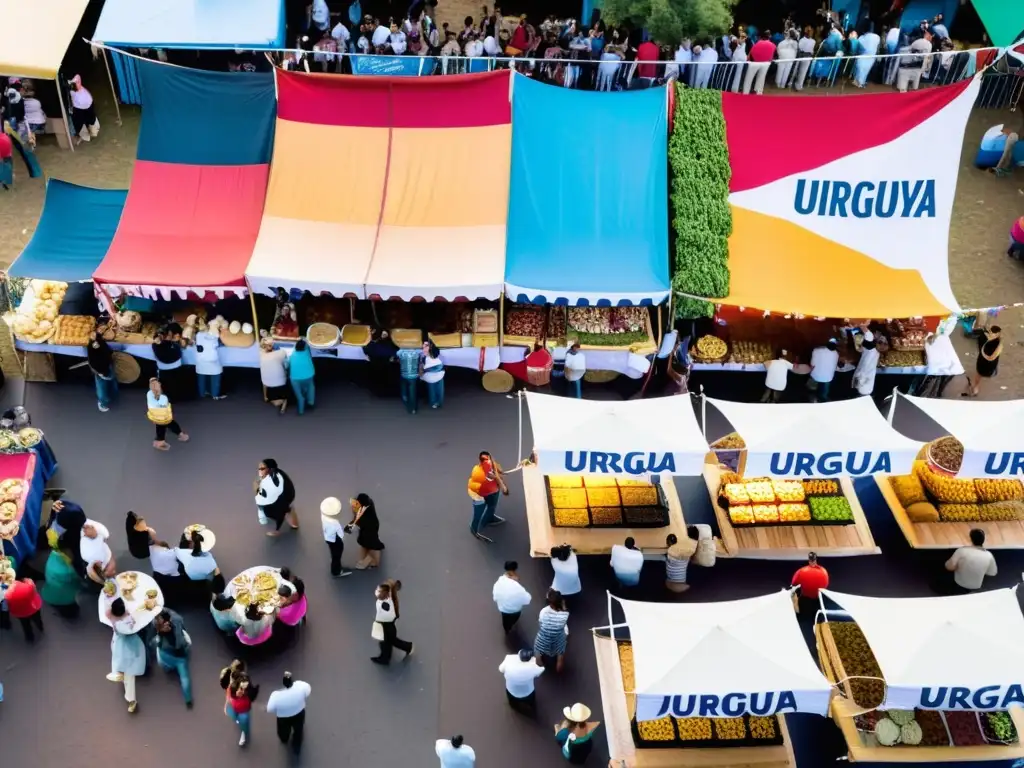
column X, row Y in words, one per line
column 630, row 437
column 250, row 24
column 992, row 433
column 1004, row 21
column 27, row 53
column 722, row 659
column 588, row 223
column 948, row 653
column 845, row 438
column 58, row 251
column 855, row 226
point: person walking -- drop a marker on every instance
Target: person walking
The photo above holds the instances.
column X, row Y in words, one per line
column 824, row 361
column 574, row 733
column 867, row 366
column 521, row 671
column 677, row 561
column 364, row 516
column 173, row 648
column 627, row 561
column 455, row 753
column 510, row 596
column 101, row 363
column 567, row 571
column 240, row 693
column 158, row 411
column 274, row 374
column 288, row 704
column 127, row 652
column 811, row 579
column 334, row 534
column 384, row 629
column 300, row 374
column 62, row 584
column 485, row 485
column 25, row 605
column 139, row 536
column 575, row 368
column 990, row 349
column 409, row 369
column 275, row 497
column 970, row 565
column 552, row 631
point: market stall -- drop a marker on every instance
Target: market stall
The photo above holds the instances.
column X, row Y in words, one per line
column 781, row 486
column 929, row 680
column 22, row 481
column 706, row 684
column 604, row 472
column 968, row 477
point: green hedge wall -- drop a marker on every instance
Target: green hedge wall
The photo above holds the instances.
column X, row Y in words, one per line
column 701, row 218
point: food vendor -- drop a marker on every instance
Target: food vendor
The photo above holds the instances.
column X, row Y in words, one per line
column 864, row 374
column 776, row 378
column 824, row 361
column 575, row 367
column 169, row 369
column 95, row 552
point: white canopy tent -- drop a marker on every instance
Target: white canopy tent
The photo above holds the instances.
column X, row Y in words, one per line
column 722, row 659
column 992, row 432
column 846, row 438
column 963, row 652
column 623, row 437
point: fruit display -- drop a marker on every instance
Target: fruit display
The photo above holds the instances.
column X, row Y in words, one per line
column 910, row 339
column 761, row 492
column 794, row 513
column 858, row 662
column 999, row 727
column 750, row 352
column 736, row 493
column 525, row 321
column 999, row 490
column 947, row 454
column 959, row 513
column 901, row 358
column 741, row 515
column 661, row 730
column 763, row 727
column 908, row 489
column 830, row 509
column 35, row 319
column 1002, row 511
column 73, row 330
column 582, row 501
column 788, row 490
column 694, row 729
column 729, row 728
column 964, row 729
column 765, row 513
column 946, row 490
column 557, row 322
column 608, row 326
column 710, row 348
column 821, row 487
column 731, row 442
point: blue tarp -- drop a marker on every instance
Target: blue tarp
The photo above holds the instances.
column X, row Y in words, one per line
column 73, row 233
column 248, row 24
column 588, row 206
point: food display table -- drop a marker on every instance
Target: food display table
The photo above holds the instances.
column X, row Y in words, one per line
column 620, row 361
column 622, row 747
column 248, row 584
column 792, row 542
column 137, row 610
column 593, row 541
column 27, row 468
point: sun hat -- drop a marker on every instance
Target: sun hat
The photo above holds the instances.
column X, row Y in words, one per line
column 330, row 507
column 578, row 713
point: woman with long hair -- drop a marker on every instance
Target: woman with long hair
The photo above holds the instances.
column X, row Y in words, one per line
column 101, row 363
column 387, row 614
column 140, row 536
column 275, row 497
column 574, row 732
column 552, row 631
column 158, row 411
column 256, row 626
column 240, row 693
column 990, row 349
column 432, row 373
column 364, row 515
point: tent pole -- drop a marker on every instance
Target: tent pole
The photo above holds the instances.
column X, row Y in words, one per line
column 520, row 398
column 611, row 624
column 703, row 413
column 113, row 91
column 64, row 113
column 892, row 406
column 501, row 323
column 255, row 318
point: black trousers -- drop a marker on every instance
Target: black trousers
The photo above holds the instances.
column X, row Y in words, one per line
column 161, row 430
column 391, row 640
column 291, row 727
column 26, row 625
column 526, row 705
column 508, row 620
column 337, row 548
column 68, row 611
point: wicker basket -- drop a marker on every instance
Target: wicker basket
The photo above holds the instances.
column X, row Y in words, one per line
column 354, row 335
column 126, row 368
column 326, row 335
column 538, row 367
column 600, row 377
column 498, row 381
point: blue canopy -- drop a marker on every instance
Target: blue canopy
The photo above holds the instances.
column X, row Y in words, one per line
column 73, row 233
column 588, row 206
column 248, row 24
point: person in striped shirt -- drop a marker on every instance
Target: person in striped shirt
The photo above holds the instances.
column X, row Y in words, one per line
column 677, row 560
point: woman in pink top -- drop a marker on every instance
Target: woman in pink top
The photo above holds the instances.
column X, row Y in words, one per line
column 293, row 603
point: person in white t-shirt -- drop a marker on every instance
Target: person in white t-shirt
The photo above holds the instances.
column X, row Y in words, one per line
column 510, row 596
column 970, row 565
column 455, row 753
column 627, row 561
column 341, row 34
column 334, row 534
column 289, row 705
column 96, row 554
column 776, row 378
column 575, row 367
column 521, row 671
column 941, row 364
column 824, row 361
column 567, row 571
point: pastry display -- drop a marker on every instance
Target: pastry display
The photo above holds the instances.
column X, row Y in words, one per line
column 29, row 436
column 35, row 319
column 322, row 335
column 8, row 511
column 73, row 330
column 356, row 335
column 750, row 352
column 741, row 515
column 710, row 348
column 590, row 500
column 788, row 490
column 765, row 513
column 794, row 513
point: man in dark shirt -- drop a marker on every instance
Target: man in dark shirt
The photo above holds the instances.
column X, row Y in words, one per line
column 172, row 649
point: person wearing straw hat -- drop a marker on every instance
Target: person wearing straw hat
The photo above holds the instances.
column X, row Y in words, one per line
column 574, row 733
column 334, row 534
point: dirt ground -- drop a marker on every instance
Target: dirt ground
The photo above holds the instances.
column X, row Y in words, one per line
column 980, row 272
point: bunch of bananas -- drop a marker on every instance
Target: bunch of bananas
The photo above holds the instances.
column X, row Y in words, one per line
column 999, row 490
column 1002, row 511
column 908, row 489
column 959, row 513
column 946, row 490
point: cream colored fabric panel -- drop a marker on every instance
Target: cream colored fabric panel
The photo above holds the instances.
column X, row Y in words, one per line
column 327, row 173
column 449, row 177
column 35, row 35
column 432, row 262
column 311, row 255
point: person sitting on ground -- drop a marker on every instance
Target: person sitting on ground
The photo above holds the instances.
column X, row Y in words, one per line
column 970, row 565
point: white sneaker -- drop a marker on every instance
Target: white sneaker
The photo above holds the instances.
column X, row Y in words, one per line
column 115, row 677
column 102, row 407
column 241, row 740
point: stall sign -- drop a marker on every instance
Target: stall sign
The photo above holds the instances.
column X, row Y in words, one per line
column 632, row 463
column 865, row 199
column 987, row 697
column 714, row 705
column 995, row 464
column 830, row 464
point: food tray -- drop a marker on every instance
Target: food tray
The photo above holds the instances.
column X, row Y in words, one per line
column 406, row 338
column 446, row 340
column 712, row 743
column 723, row 502
column 239, row 340
column 628, row 515
column 79, row 337
column 322, row 335
column 639, row 348
column 353, row 335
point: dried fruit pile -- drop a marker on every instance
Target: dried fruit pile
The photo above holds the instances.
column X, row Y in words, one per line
column 947, row 453
column 858, row 661
column 526, row 321
column 964, row 729
column 576, row 501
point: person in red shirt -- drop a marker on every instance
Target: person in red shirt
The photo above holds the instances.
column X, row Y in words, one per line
column 811, row 579
column 24, row 604
column 240, row 693
column 6, row 160
column 761, row 55
column 647, row 52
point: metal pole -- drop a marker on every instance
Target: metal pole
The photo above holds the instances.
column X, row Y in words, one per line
column 110, row 78
column 611, row 624
column 520, row 453
column 64, row 113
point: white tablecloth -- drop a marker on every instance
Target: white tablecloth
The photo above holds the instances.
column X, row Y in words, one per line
column 239, row 610
column 135, row 607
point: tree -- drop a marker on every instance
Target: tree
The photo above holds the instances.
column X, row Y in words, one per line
column 669, row 21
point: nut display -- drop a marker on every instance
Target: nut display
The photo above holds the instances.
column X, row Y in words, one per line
column 900, row 358
column 946, row 490
column 694, row 728
column 570, row 498
column 947, row 453
column 750, row 352
column 794, row 513
column 711, row 348
column 639, row 496
column 644, row 516
column 999, row 490
column 603, row 497
column 858, row 662
column 788, row 490
column 763, row 727
column 565, row 481
column 830, row 509
column 524, row 320
column 821, row 487
column 657, row 730
column 1002, row 510
column 606, row 515
column 571, row 518
column 729, row 728
column 604, row 501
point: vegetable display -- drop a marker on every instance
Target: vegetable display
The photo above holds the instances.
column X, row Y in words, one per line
column 831, row 509
column 608, row 326
column 998, row 726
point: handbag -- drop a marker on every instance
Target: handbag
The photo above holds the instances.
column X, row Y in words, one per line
column 161, row 415
column 377, row 632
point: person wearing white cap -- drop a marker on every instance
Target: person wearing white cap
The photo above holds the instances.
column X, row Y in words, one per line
column 824, row 361
column 334, row 534
column 455, row 753
column 574, row 733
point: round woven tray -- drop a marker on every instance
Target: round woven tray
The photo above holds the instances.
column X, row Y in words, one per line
column 498, row 381
column 126, row 368
column 600, row 377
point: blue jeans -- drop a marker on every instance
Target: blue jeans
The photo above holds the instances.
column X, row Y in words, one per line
column 106, row 390
column 410, row 394
column 823, row 387
column 177, row 664
column 209, row 384
column 242, row 720
column 435, row 393
column 573, row 388
column 305, row 393
column 479, row 508
column 490, row 507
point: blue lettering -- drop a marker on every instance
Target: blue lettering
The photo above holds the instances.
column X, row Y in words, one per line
column 730, row 709
column 880, row 210
column 677, row 706
column 830, row 463
column 779, row 469
column 613, row 463
column 633, row 462
column 823, row 198
column 990, row 463
column 927, row 206
column 1014, row 695
column 762, row 708
column 852, row 468
column 708, row 705
column 883, row 463
column 863, row 188
column 798, row 203
column 666, row 704
column 668, row 463
column 1018, row 464
column 571, row 465
column 927, row 702
column 804, row 464
column 841, row 192
column 909, row 198
column 958, row 698
column 981, row 701
column 787, row 701
column 598, row 462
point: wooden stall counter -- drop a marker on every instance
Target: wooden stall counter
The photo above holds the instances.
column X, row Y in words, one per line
column 998, row 535
column 593, row 541
column 792, row 542
column 620, row 739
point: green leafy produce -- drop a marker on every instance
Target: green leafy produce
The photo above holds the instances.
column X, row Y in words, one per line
column 911, row 733
column 901, row 716
column 887, row 732
column 830, row 509
column 609, row 339
column 671, row 21
column 698, row 155
column 1001, row 725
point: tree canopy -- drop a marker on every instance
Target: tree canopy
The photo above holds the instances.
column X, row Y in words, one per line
column 669, row 21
